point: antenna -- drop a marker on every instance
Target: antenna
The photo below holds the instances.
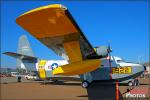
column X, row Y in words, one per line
column 140, row 59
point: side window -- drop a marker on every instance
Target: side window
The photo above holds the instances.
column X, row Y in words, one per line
column 114, row 62
column 119, row 61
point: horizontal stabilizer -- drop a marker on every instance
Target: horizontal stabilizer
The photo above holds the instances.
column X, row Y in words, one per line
column 21, row 56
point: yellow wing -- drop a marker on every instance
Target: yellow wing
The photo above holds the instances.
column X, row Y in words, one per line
column 54, row 26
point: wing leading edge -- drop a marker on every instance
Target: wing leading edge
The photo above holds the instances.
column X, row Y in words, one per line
column 54, row 26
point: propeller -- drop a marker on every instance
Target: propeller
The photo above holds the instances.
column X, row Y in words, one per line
column 109, row 48
column 109, row 59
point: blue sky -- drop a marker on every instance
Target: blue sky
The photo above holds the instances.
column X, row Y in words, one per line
column 125, row 25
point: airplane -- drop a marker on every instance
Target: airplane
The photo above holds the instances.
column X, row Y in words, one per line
column 54, row 26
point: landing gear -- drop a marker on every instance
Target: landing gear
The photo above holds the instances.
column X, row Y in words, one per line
column 134, row 82
column 130, row 83
column 55, row 81
column 85, row 84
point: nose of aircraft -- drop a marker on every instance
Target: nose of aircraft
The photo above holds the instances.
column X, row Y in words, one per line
column 138, row 67
column 142, row 67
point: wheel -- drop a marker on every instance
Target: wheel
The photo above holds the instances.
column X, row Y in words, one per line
column 55, row 81
column 136, row 82
column 130, row 83
column 85, row 84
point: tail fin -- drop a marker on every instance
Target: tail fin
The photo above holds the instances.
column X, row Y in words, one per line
column 25, row 56
column 25, row 49
column 24, row 46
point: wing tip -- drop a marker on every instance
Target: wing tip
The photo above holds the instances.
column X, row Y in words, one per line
column 51, row 6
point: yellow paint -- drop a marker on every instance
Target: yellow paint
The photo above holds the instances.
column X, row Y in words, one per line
column 47, row 22
column 52, row 22
column 55, row 6
column 41, row 69
column 42, row 63
column 95, row 49
column 77, row 68
column 42, row 73
column 73, row 51
column 122, row 70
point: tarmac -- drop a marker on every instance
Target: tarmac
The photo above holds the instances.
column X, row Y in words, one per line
column 65, row 90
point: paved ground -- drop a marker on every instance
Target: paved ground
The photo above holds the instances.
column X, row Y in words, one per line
column 43, row 91
column 31, row 90
column 12, row 80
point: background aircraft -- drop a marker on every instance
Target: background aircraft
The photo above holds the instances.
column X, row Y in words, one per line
column 54, row 26
column 25, row 56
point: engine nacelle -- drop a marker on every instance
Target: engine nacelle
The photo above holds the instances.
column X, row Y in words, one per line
column 102, row 50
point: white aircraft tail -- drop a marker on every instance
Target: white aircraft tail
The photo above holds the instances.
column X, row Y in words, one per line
column 25, row 56
column 24, row 46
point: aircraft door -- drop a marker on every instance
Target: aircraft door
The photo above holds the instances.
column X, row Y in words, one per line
column 88, row 77
column 102, row 73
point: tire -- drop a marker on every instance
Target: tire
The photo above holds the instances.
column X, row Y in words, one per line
column 85, row 84
column 130, row 83
column 54, row 80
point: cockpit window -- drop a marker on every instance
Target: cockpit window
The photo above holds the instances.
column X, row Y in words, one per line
column 120, row 61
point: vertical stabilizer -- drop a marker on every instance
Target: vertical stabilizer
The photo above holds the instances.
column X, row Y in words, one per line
column 25, row 49
column 24, row 46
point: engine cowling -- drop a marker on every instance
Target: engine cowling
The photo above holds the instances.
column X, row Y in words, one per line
column 103, row 50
